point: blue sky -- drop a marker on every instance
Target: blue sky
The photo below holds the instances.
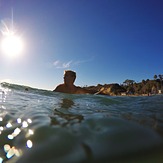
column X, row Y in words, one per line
column 104, row 41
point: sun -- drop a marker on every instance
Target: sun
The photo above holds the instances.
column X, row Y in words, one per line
column 12, row 46
column 11, row 43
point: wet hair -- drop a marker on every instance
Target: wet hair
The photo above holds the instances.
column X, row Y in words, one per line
column 73, row 73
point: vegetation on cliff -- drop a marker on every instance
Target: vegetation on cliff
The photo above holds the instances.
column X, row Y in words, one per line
column 130, row 87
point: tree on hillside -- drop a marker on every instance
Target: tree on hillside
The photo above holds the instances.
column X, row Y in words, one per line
column 129, row 82
column 143, row 82
column 129, row 86
column 155, row 77
column 137, row 88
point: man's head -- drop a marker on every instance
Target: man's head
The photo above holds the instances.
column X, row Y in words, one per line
column 69, row 77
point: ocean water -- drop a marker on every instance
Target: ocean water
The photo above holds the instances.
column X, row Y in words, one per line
column 45, row 126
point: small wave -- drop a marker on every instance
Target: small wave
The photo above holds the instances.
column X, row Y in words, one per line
column 24, row 88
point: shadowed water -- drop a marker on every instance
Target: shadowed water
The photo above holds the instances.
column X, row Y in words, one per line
column 44, row 126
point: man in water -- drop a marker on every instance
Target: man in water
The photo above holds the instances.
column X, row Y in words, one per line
column 68, row 85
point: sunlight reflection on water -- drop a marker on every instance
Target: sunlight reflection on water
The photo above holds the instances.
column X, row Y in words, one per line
column 59, row 125
column 29, row 144
column 17, row 127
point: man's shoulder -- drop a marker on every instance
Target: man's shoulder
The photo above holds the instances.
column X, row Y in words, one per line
column 59, row 87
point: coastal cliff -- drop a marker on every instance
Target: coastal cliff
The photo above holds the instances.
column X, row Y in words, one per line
column 107, row 89
column 129, row 87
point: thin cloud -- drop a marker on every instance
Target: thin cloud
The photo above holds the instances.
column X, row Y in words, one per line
column 58, row 64
column 67, row 65
column 63, row 65
column 55, row 63
column 83, row 61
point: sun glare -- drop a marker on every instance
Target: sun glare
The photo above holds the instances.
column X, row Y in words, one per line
column 12, row 46
column 11, row 43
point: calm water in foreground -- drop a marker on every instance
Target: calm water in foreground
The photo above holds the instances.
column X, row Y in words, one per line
column 44, row 126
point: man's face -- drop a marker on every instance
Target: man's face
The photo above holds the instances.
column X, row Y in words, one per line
column 69, row 78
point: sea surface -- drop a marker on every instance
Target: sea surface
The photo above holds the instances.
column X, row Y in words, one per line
column 49, row 127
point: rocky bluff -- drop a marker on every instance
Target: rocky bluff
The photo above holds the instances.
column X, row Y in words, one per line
column 106, row 89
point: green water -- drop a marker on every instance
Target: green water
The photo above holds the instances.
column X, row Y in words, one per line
column 44, row 126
